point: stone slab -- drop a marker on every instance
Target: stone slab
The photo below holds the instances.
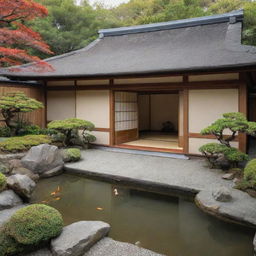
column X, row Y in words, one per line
column 241, row 209
column 110, row 247
column 78, row 238
column 178, row 174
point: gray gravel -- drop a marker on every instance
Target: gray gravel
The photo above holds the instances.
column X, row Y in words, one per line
column 192, row 174
column 110, row 247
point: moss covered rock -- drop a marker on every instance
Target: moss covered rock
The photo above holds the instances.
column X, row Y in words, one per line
column 2, row 182
column 19, row 144
column 250, row 172
column 34, row 224
column 71, row 155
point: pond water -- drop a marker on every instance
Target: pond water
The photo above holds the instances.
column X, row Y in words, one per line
column 168, row 225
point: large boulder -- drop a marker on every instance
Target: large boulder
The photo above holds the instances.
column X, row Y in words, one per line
column 222, row 194
column 21, row 184
column 78, row 238
column 42, row 158
column 9, row 199
column 53, row 172
column 25, row 171
column 4, row 168
column 15, row 163
column 5, row 215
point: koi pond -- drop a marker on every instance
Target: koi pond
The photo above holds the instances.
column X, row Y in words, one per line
column 167, row 225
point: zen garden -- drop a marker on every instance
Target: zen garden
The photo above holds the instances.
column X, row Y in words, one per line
column 128, row 128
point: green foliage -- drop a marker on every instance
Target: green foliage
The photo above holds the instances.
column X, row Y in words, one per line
column 29, row 129
column 244, row 185
column 233, row 155
column 18, row 144
column 233, row 122
column 12, row 104
column 69, row 127
column 70, row 27
column 88, row 138
column 213, row 148
column 5, row 131
column 215, row 151
column 34, row 224
column 72, row 155
column 250, row 172
column 8, row 245
column 251, row 130
column 70, row 124
column 2, row 182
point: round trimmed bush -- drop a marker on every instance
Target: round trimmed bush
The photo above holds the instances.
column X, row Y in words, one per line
column 2, row 182
column 8, row 246
column 72, row 155
column 250, row 172
column 34, row 224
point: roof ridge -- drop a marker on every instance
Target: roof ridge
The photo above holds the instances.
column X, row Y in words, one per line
column 232, row 17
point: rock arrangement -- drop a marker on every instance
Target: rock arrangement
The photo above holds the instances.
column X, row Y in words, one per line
column 77, row 239
column 81, row 239
column 24, row 170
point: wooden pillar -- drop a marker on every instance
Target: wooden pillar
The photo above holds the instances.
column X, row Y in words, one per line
column 242, row 138
column 45, row 104
column 112, row 114
column 185, row 121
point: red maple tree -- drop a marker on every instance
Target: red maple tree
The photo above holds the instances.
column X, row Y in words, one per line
column 16, row 38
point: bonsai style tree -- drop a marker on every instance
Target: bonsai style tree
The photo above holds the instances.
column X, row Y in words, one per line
column 223, row 154
column 232, row 122
column 13, row 104
column 69, row 127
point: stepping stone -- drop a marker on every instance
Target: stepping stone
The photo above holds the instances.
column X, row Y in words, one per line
column 110, row 247
column 78, row 238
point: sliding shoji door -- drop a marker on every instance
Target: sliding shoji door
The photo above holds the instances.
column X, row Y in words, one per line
column 126, row 117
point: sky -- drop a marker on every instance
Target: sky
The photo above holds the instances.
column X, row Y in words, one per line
column 109, row 3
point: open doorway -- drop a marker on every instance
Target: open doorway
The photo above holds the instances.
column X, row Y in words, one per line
column 155, row 121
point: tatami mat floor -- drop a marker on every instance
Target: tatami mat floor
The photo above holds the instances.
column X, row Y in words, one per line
column 156, row 140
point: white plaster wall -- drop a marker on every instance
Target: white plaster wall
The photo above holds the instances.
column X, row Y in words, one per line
column 60, row 105
column 101, row 137
column 94, row 106
column 196, row 143
column 206, row 106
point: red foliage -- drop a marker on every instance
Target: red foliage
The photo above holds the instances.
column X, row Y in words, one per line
column 16, row 37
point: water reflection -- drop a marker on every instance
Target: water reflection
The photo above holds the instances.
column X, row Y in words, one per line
column 167, row 225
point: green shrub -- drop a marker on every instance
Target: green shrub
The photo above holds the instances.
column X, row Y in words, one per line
column 29, row 129
column 5, row 131
column 213, row 152
column 72, row 155
column 2, row 182
column 8, row 245
column 69, row 127
column 18, row 144
column 34, row 224
column 234, row 122
column 88, row 138
column 250, row 172
column 233, row 155
column 244, row 185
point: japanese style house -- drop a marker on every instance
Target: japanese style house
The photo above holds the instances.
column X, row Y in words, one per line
column 155, row 86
